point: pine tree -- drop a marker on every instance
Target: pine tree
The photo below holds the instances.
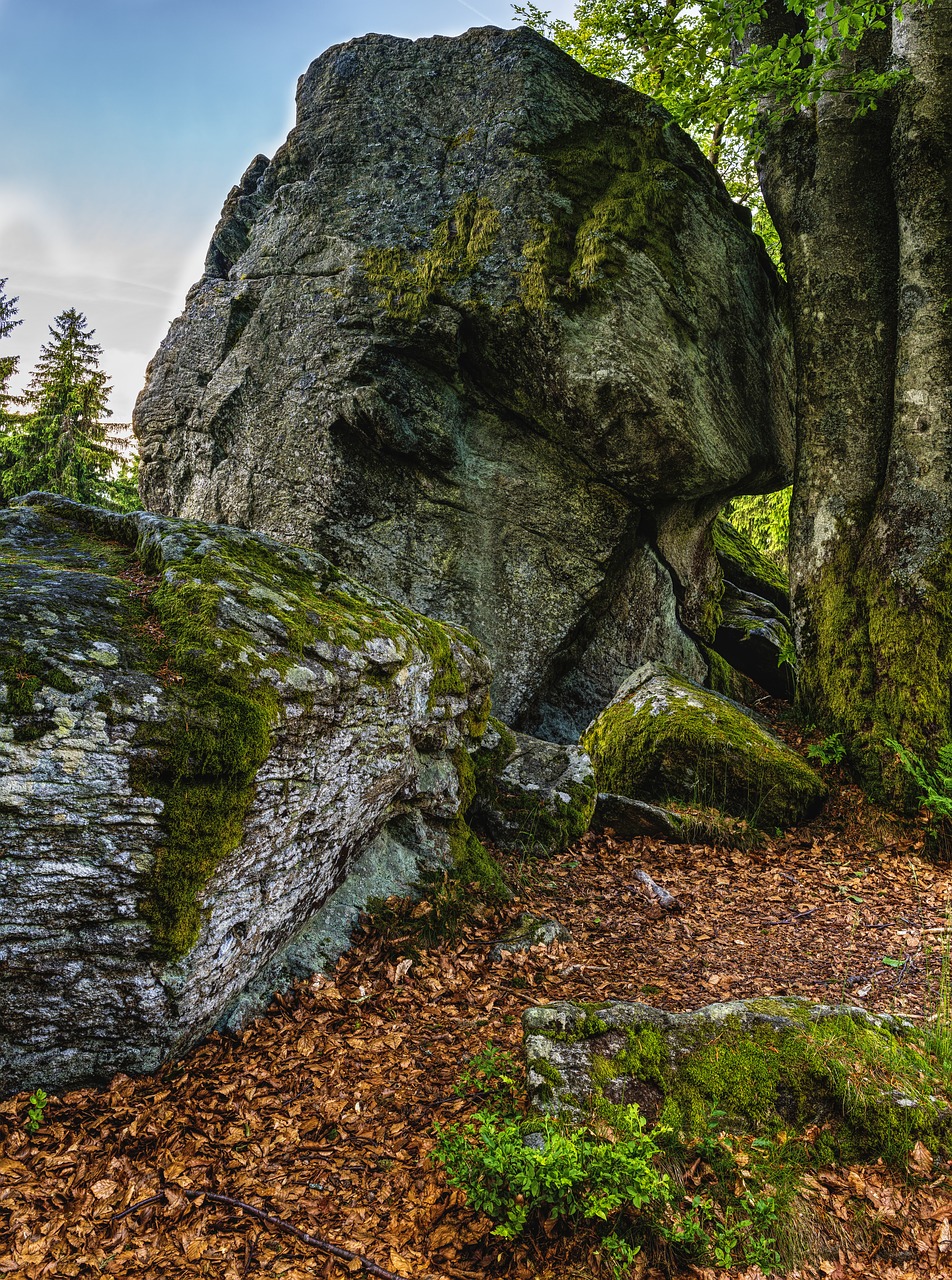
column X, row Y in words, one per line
column 8, row 364
column 60, row 445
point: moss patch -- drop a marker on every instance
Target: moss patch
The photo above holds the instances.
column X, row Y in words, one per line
column 878, row 664
column 616, row 193
column 685, row 744
column 409, row 283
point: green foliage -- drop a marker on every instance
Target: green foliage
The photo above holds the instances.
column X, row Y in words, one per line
column 765, row 519
column 830, row 751
column 566, row 1173
column 8, row 364
column 60, row 445
column 34, row 1115
column 684, row 55
column 935, row 784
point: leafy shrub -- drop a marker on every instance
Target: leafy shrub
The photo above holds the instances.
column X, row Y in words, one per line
column 553, row 1172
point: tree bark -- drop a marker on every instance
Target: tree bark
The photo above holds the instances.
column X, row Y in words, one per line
column 862, row 207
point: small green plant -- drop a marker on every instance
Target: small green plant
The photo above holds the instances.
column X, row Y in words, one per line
column 493, row 1074
column 559, row 1173
column 830, row 751
column 34, row 1115
column 786, row 653
column 935, row 785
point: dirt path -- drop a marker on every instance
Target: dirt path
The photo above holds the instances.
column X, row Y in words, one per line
column 321, row 1112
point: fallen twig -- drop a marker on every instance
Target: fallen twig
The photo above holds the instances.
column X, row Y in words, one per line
column 345, row 1255
column 800, row 915
column 666, row 901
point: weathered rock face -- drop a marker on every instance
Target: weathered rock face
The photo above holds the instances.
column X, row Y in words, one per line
column 665, row 738
column 531, row 795
column 489, row 332
column 213, row 748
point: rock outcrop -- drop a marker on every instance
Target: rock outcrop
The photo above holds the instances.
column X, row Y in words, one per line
column 490, row 333
column 664, row 738
column 213, row 749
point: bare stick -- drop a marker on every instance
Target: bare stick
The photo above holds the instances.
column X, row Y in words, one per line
column 279, row 1224
column 666, row 901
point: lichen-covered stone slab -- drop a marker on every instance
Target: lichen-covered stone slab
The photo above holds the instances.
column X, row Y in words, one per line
column 665, row 738
column 203, row 733
column 756, row 1065
column 531, row 795
column 483, row 328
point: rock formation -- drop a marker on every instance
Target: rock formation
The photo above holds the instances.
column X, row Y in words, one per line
column 213, row 748
column 489, row 332
column 759, row 1066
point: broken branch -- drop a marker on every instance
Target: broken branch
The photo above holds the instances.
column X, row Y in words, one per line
column 666, row 901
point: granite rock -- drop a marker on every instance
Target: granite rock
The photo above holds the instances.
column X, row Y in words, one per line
column 213, row 749
column 489, row 332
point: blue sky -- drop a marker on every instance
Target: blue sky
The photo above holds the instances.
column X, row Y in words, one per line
column 125, row 124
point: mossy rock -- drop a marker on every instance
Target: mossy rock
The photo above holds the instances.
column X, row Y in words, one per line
column 531, row 796
column 664, row 738
column 202, row 732
column 747, row 567
column 761, row 1066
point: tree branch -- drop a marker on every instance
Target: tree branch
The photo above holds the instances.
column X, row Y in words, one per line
column 335, row 1251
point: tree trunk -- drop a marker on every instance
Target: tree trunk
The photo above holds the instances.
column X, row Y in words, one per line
column 862, row 207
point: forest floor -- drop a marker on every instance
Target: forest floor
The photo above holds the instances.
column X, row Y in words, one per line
column 321, row 1112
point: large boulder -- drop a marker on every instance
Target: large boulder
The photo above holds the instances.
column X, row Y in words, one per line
column 664, row 738
column 213, row 749
column 490, row 333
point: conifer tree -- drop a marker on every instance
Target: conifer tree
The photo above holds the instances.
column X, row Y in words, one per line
column 8, row 364
column 60, row 445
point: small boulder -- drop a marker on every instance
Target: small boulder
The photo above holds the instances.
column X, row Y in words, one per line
column 663, row 737
column 531, row 795
column 529, row 931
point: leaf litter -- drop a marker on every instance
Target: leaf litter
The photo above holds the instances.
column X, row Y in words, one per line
column 321, row 1112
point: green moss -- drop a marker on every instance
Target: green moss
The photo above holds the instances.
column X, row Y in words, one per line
column 702, row 750
column 878, row 664
column 408, row 284
column 763, row 1080
column 747, row 567
column 25, row 673
column 615, row 193
column 473, row 863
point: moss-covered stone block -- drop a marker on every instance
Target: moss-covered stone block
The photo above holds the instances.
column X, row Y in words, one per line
column 761, row 1067
column 664, row 738
column 202, row 731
